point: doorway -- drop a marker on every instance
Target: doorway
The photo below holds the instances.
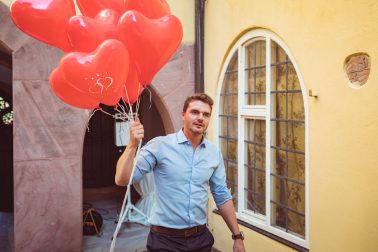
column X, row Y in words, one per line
column 100, row 155
column 6, row 150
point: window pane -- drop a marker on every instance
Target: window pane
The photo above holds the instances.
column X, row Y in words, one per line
column 254, row 190
column 278, row 160
column 228, row 109
column 278, row 77
column 279, row 65
column 232, row 174
column 279, row 216
column 233, row 82
column 248, row 188
column 292, row 78
column 230, row 83
column 233, row 127
column 232, row 152
column 295, row 106
column 255, row 131
column 278, row 106
column 260, row 157
column 279, row 194
column 260, row 192
column 296, row 166
column 279, row 137
column 296, row 197
column 296, row 224
column 223, row 147
column 254, row 163
column 223, row 105
column 232, row 181
column 287, row 145
column 255, row 73
column 250, row 154
column 296, row 141
column 223, row 126
column 255, row 143
column 277, row 53
column 233, row 105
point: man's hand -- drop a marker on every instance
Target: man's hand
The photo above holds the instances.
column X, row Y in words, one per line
column 125, row 162
column 136, row 133
column 239, row 245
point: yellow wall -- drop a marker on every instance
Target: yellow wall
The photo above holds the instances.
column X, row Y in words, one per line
column 7, row 2
column 183, row 9
column 343, row 122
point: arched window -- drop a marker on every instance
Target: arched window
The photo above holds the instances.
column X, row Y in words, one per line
column 263, row 136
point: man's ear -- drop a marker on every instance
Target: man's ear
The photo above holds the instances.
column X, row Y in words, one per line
column 182, row 115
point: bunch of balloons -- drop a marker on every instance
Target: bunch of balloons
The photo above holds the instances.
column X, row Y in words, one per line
column 112, row 51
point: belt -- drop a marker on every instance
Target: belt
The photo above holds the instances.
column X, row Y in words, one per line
column 186, row 232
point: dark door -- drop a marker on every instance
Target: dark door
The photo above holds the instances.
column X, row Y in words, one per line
column 100, row 152
column 6, row 131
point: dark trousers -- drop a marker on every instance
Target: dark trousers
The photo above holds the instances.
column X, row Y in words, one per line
column 199, row 242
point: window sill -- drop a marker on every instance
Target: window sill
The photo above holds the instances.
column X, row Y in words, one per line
column 271, row 236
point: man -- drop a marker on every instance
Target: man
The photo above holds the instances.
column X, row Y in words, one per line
column 184, row 164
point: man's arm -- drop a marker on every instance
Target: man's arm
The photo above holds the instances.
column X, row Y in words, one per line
column 125, row 162
column 227, row 211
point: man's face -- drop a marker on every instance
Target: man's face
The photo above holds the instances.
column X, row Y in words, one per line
column 196, row 117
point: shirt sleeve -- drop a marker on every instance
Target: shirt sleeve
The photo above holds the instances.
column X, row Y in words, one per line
column 146, row 159
column 218, row 185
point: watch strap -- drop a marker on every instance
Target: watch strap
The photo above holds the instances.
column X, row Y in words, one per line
column 238, row 236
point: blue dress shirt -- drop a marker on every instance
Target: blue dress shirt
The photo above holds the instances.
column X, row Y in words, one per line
column 182, row 178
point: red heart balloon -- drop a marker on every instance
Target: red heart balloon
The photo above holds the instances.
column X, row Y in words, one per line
column 68, row 94
column 101, row 74
column 91, row 8
column 151, row 42
column 86, row 34
column 149, row 8
column 132, row 88
column 45, row 20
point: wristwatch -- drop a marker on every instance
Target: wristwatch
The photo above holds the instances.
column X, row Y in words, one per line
column 238, row 236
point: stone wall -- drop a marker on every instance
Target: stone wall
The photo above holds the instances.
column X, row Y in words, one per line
column 49, row 135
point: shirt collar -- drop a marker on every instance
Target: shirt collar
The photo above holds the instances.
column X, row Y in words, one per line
column 181, row 138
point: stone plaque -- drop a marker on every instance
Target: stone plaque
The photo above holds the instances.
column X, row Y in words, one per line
column 357, row 68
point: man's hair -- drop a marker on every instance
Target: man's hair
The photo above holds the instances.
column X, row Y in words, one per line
column 198, row 97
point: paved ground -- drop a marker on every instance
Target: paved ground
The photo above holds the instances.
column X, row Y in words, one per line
column 131, row 238
column 107, row 201
column 6, row 232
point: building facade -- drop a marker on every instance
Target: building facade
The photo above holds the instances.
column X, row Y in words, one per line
column 49, row 135
column 295, row 119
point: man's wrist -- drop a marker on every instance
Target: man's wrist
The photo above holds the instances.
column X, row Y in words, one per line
column 133, row 145
column 239, row 236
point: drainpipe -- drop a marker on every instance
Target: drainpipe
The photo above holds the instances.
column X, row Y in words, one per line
column 199, row 45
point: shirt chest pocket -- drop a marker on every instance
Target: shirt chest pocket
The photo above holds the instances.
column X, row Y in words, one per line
column 202, row 174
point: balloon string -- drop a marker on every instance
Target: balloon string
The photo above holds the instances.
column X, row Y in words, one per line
column 128, row 99
column 150, row 97
column 122, row 213
column 90, row 116
column 131, row 117
column 138, row 100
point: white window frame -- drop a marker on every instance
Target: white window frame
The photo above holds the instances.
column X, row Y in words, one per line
column 262, row 112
